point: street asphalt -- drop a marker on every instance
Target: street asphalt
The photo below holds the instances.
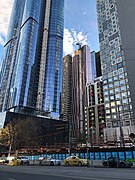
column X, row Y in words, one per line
column 64, row 173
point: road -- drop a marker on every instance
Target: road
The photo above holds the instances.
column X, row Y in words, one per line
column 64, row 173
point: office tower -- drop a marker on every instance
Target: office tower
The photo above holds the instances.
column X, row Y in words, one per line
column 51, row 75
column 95, row 113
column 89, row 63
column 10, row 52
column 98, row 64
column 93, row 65
column 116, row 25
column 79, row 73
column 34, row 78
column 67, row 89
column 66, row 99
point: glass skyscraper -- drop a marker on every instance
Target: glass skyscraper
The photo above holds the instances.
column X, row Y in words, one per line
column 116, row 30
column 31, row 74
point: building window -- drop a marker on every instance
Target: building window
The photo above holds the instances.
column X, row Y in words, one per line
column 108, row 117
column 105, row 82
column 122, row 82
column 111, row 92
column 117, row 90
column 112, row 104
column 106, row 93
column 113, row 110
column 113, row 62
column 113, row 116
column 123, row 88
column 108, row 111
column 116, row 84
column 110, row 80
column 109, row 74
column 107, row 105
column 115, row 78
column 106, row 99
column 124, row 94
column 117, row 96
column 105, row 87
column 125, row 101
column 115, row 73
column 110, row 85
column 109, row 125
column 121, row 76
column 127, row 123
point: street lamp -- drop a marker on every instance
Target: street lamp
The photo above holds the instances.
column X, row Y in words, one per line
column 120, row 128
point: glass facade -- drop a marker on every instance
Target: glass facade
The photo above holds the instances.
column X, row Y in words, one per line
column 22, row 93
column 115, row 79
column 10, row 52
column 93, row 65
column 37, row 56
column 49, row 93
column 54, row 58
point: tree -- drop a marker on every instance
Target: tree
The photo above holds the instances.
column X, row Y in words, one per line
column 132, row 138
column 7, row 136
column 21, row 133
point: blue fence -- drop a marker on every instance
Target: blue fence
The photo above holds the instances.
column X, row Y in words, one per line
column 91, row 155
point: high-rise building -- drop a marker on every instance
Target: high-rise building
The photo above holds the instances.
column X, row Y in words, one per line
column 98, row 64
column 80, row 75
column 92, row 71
column 94, row 112
column 116, row 26
column 31, row 74
column 10, row 54
column 66, row 99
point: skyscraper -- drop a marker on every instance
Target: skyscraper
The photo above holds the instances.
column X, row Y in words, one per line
column 116, row 25
column 66, row 107
column 31, row 74
column 10, row 52
column 98, row 64
column 66, row 98
column 78, row 89
column 93, row 66
column 95, row 114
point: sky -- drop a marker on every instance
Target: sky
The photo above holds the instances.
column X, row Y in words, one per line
column 80, row 24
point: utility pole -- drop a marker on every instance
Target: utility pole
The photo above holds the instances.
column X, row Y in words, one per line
column 120, row 128
column 69, row 138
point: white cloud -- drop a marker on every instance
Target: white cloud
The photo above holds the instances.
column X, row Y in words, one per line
column 5, row 12
column 68, row 42
column 71, row 37
column 2, row 42
column 80, row 37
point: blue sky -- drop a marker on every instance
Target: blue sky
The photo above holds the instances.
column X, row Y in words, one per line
column 81, row 19
column 80, row 23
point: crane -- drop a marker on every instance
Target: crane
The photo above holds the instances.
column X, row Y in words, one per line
column 79, row 42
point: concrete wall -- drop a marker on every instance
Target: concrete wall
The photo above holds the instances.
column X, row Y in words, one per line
column 126, row 13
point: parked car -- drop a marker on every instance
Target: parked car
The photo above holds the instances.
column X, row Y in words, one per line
column 3, row 160
column 23, row 160
column 76, row 161
column 49, row 161
column 10, row 158
column 116, row 162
